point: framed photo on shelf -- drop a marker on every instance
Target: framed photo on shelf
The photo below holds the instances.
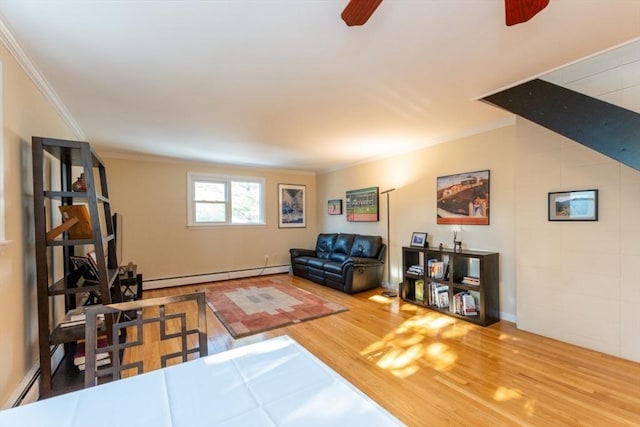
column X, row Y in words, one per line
column 463, row 199
column 334, row 207
column 581, row 205
column 85, row 265
column 362, row 205
column 418, row 240
column 292, row 210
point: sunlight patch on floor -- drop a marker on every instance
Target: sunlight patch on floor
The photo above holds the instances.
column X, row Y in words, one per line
column 381, row 299
column 416, row 343
column 503, row 393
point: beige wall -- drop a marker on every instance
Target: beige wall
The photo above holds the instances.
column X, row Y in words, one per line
column 25, row 113
column 577, row 281
column 151, row 195
column 413, row 204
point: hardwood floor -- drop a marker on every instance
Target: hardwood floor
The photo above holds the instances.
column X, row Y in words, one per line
column 432, row 370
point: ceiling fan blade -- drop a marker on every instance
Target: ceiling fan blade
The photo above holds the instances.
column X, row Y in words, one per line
column 358, row 12
column 518, row 11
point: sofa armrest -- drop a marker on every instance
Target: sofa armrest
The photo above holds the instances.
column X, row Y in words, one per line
column 301, row 252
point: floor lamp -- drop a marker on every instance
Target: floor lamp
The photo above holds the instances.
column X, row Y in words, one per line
column 389, row 292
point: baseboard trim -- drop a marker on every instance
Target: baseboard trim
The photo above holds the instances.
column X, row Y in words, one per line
column 28, row 391
column 508, row 317
column 213, row 277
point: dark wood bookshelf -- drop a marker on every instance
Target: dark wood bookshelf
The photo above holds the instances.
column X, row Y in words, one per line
column 71, row 158
column 472, row 264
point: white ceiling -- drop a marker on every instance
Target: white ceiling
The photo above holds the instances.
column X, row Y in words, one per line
column 285, row 83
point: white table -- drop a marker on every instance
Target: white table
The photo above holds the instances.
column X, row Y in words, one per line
column 271, row 383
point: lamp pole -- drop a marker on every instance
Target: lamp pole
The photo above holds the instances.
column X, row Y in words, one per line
column 389, row 292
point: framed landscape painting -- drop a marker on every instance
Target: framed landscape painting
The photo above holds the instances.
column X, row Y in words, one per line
column 362, row 205
column 573, row 205
column 463, row 198
column 291, row 206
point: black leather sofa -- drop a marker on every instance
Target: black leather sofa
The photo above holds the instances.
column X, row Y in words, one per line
column 348, row 262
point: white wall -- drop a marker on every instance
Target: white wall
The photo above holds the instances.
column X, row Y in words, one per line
column 577, row 281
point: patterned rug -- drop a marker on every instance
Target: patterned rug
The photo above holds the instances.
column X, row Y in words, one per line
column 258, row 306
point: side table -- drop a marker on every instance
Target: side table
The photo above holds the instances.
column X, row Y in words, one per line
column 131, row 287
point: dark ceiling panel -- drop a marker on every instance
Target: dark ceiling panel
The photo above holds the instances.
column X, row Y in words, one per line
column 604, row 127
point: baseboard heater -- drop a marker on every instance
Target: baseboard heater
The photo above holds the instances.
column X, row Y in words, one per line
column 213, row 277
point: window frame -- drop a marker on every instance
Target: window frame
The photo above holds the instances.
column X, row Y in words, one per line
column 194, row 177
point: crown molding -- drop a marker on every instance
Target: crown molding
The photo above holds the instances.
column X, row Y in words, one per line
column 38, row 79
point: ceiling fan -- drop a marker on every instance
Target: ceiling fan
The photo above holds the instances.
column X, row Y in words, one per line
column 358, row 12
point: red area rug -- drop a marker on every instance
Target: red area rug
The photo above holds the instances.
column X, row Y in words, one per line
column 258, row 306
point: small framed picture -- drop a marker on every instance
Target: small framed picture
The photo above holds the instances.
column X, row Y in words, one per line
column 334, row 207
column 292, row 210
column 579, row 205
column 419, row 240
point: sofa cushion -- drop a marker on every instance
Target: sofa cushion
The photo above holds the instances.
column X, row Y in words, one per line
column 342, row 247
column 366, row 246
column 333, row 267
column 303, row 260
column 316, row 263
column 324, row 245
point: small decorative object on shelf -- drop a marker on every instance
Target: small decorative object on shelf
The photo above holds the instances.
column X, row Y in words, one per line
column 80, row 184
column 457, row 244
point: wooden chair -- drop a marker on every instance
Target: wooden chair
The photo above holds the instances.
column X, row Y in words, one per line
column 134, row 325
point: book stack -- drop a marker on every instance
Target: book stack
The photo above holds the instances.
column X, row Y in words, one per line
column 473, row 281
column 101, row 358
column 464, row 304
column 416, row 269
column 77, row 317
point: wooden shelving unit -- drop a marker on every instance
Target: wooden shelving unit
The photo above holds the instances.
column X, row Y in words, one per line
column 71, row 158
column 475, row 273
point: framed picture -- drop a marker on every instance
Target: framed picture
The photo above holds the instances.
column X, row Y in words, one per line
column 84, row 264
column 291, row 206
column 579, row 205
column 419, row 240
column 334, row 207
column 362, row 205
column 463, row 198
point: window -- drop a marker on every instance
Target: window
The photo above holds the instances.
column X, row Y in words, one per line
column 225, row 200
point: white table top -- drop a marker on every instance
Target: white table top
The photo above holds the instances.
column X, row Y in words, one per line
column 271, row 383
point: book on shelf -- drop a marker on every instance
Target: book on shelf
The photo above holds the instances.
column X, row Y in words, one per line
column 468, row 280
column 465, row 304
column 416, row 269
column 419, row 290
column 436, row 268
column 77, row 317
column 80, row 356
column 443, row 299
column 101, row 362
column 438, row 295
